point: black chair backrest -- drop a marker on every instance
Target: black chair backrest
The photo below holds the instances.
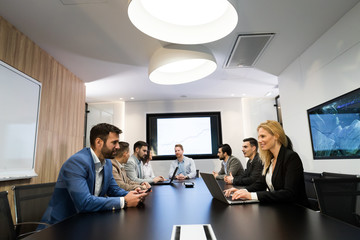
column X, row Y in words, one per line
column 309, row 183
column 310, row 189
column 31, row 202
column 337, row 175
column 7, row 231
column 339, row 198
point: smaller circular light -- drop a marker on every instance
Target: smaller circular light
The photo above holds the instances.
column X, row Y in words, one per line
column 177, row 64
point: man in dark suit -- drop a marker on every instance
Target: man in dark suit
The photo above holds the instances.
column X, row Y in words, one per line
column 86, row 183
column 253, row 167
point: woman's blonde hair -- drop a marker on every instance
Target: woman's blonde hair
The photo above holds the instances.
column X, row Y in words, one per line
column 275, row 129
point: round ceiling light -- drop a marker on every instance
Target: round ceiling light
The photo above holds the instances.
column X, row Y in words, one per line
column 177, row 64
column 184, row 21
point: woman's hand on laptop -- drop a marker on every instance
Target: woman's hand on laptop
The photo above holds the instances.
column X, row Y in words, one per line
column 241, row 193
column 237, row 193
column 229, row 191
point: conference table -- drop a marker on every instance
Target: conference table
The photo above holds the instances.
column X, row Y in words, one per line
column 171, row 205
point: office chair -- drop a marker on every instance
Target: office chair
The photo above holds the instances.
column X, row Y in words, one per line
column 31, row 202
column 310, row 189
column 7, row 228
column 337, row 175
column 339, row 198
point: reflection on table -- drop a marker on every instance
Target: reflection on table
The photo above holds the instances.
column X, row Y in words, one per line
column 176, row 205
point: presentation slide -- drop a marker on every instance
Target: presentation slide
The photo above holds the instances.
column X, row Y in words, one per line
column 193, row 133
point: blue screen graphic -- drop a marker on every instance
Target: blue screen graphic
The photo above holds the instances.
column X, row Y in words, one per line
column 335, row 127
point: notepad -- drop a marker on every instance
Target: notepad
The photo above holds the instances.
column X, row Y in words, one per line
column 193, row 232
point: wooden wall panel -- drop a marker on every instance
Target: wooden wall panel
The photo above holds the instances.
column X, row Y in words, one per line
column 62, row 106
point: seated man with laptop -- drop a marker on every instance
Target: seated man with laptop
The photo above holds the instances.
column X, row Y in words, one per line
column 186, row 165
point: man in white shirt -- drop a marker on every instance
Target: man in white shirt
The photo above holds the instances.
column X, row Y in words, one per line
column 186, row 165
column 133, row 166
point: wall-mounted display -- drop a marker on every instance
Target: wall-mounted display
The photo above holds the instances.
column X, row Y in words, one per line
column 335, row 127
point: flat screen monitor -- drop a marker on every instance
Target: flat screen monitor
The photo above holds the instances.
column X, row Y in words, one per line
column 199, row 133
column 335, row 127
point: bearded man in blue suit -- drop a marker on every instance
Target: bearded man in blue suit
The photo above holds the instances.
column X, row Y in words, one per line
column 86, row 183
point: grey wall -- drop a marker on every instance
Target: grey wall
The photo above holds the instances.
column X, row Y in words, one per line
column 238, row 122
column 327, row 69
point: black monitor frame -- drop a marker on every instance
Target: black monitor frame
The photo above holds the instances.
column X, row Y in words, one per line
column 216, row 133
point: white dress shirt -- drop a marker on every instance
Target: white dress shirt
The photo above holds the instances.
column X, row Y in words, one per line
column 267, row 179
column 147, row 170
column 99, row 177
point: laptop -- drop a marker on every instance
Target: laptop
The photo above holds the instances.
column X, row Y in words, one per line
column 168, row 182
column 217, row 192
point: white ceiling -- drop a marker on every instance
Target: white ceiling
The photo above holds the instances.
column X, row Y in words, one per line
column 97, row 42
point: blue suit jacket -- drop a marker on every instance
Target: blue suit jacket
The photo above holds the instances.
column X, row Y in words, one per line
column 74, row 189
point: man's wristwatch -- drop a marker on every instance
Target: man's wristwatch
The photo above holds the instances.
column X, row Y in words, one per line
column 125, row 204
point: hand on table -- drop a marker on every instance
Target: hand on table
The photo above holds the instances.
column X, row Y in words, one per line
column 181, row 177
column 158, row 179
column 229, row 179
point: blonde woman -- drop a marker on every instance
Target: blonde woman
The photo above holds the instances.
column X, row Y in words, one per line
column 282, row 177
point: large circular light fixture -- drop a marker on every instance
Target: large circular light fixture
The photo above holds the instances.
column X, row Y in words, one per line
column 184, row 21
column 177, row 64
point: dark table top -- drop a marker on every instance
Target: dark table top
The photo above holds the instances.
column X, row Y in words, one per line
column 176, row 205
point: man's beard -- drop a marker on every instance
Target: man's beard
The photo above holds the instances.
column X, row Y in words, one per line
column 107, row 153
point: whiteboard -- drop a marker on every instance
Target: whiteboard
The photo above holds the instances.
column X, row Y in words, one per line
column 19, row 115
